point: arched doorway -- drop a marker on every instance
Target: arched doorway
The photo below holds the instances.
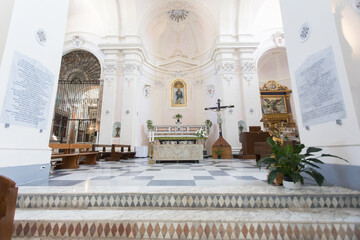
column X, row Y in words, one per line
column 76, row 116
column 275, row 90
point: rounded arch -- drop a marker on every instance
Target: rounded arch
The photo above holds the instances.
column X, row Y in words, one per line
column 273, row 65
column 80, row 66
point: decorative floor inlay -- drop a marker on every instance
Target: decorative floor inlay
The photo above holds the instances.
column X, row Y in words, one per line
column 185, row 230
column 115, row 200
column 213, row 199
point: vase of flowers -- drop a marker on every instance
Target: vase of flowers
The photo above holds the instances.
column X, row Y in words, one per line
column 201, row 135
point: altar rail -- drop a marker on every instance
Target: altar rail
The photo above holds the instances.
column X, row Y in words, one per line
column 177, row 129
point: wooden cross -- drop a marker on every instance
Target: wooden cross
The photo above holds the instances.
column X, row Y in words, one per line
column 218, row 110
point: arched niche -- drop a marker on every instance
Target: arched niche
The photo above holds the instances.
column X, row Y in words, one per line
column 178, row 93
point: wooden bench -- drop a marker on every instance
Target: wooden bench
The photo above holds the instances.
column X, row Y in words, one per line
column 116, row 155
column 8, row 196
column 85, row 155
column 70, row 155
column 63, row 158
column 104, row 153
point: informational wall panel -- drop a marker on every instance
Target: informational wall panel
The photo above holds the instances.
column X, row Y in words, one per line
column 28, row 94
column 319, row 91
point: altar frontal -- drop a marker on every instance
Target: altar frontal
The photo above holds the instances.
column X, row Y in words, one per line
column 176, row 143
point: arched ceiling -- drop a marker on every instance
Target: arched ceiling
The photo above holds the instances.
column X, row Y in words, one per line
column 166, row 37
column 273, row 65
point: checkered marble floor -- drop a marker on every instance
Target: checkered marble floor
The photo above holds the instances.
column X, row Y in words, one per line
column 210, row 172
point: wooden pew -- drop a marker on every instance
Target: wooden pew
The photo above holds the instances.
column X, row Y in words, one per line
column 104, row 153
column 63, row 159
column 8, row 196
column 69, row 155
column 85, row 155
column 116, row 155
column 248, row 140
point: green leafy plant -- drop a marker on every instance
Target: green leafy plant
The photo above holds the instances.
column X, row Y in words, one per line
column 291, row 163
column 149, row 125
column 178, row 116
column 218, row 152
column 208, row 124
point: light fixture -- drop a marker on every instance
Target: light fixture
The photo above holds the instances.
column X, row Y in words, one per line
column 178, row 15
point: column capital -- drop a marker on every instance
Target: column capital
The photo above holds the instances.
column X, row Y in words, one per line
column 110, row 68
column 248, row 67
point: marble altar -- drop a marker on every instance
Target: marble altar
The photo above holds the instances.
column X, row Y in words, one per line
column 178, row 152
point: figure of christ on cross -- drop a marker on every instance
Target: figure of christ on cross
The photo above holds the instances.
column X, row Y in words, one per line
column 218, row 110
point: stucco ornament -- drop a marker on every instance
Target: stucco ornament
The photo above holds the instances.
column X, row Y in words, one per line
column 210, row 90
column 304, row 32
column 356, row 5
column 147, row 91
column 41, row 36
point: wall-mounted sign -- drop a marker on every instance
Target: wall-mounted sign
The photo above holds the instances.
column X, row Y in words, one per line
column 319, row 90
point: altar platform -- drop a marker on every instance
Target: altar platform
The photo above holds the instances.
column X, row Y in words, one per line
column 212, row 199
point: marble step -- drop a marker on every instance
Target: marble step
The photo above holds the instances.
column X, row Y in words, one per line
column 188, row 224
column 191, row 200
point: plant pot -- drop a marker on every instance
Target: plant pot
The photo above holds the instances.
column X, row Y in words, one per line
column 219, row 157
column 278, row 180
column 291, row 185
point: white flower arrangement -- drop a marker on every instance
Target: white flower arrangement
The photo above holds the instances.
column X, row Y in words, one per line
column 201, row 134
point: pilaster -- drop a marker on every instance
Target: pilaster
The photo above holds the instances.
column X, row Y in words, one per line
column 108, row 102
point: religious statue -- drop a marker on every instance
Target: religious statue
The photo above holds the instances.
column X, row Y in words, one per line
column 179, row 97
column 218, row 110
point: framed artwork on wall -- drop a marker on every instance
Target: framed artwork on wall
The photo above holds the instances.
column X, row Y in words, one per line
column 275, row 103
column 178, row 93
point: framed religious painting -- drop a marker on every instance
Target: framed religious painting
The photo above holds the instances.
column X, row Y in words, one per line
column 178, row 93
column 275, row 103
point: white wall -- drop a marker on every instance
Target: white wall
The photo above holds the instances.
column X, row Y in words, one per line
column 23, row 146
column 341, row 140
column 6, row 9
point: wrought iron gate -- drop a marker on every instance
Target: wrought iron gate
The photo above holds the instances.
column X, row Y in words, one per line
column 77, row 101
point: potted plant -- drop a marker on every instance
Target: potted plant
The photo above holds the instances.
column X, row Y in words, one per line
column 218, row 152
column 208, row 124
column 149, row 125
column 178, row 117
column 291, row 163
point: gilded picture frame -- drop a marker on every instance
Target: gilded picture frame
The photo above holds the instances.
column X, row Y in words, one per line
column 178, row 93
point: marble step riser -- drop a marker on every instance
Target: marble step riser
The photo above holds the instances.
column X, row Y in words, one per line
column 183, row 230
column 187, row 201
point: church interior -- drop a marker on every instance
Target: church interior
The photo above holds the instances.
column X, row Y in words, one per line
column 179, row 119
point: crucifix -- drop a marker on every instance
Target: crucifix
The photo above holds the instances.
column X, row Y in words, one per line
column 218, row 110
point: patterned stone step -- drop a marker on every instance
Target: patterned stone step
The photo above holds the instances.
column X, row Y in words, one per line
column 191, row 201
column 188, row 224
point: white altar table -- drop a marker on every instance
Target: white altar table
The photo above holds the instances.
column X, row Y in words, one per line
column 178, row 152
